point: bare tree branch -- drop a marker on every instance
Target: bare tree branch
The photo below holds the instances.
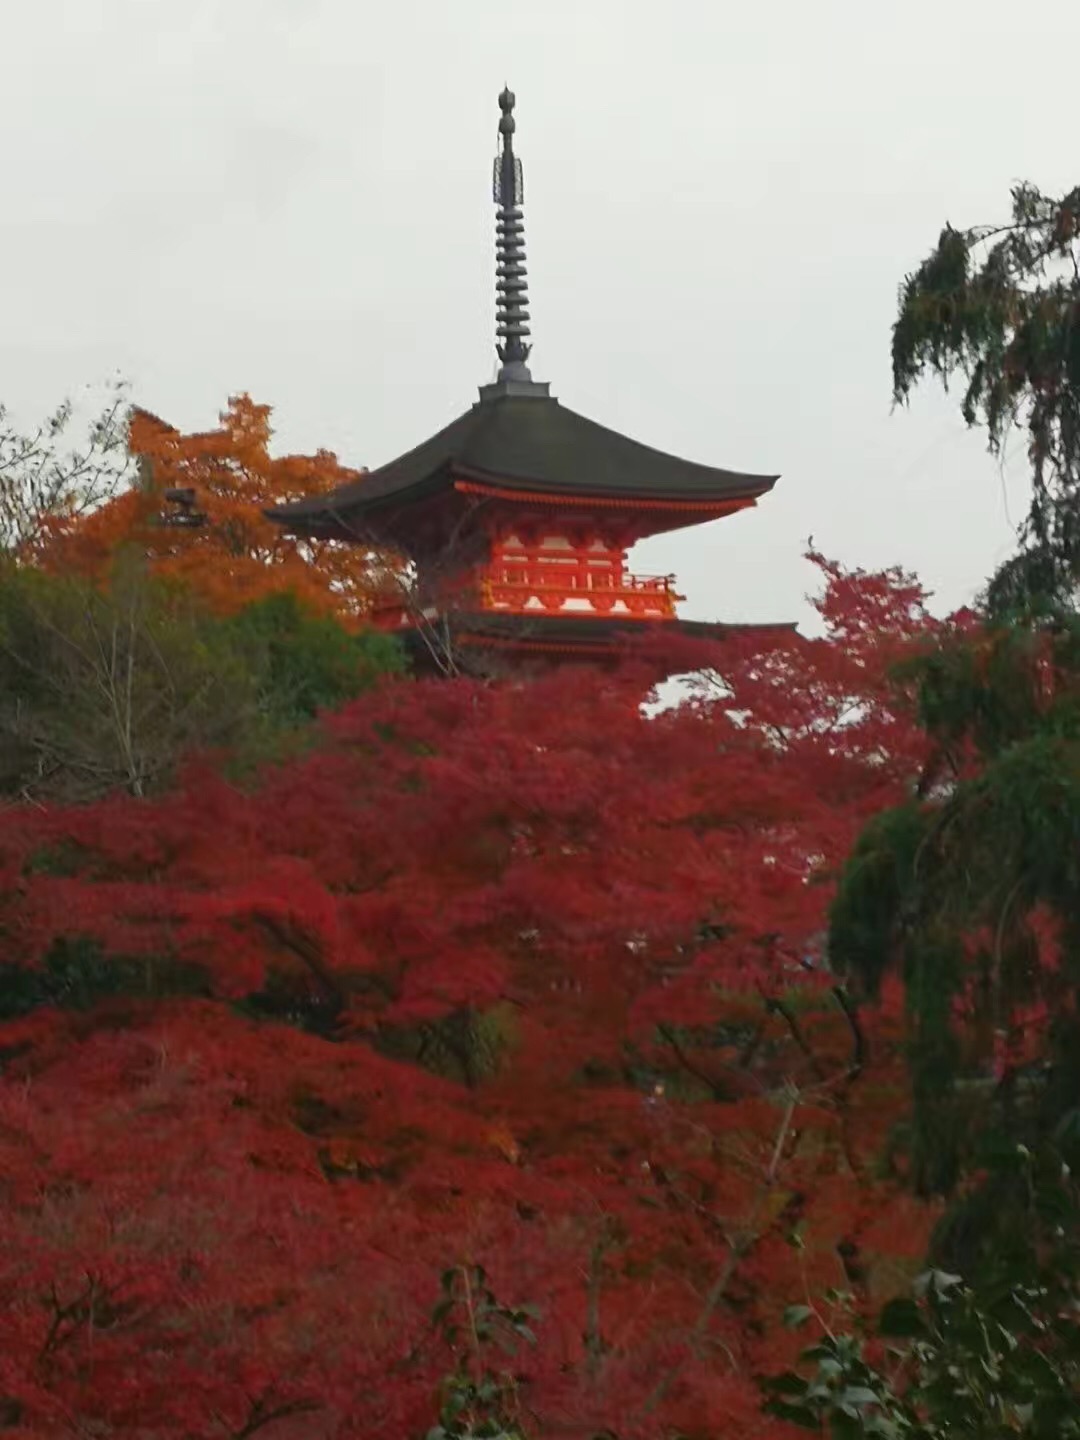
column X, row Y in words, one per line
column 41, row 481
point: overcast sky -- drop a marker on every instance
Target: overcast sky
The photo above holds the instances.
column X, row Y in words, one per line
column 292, row 197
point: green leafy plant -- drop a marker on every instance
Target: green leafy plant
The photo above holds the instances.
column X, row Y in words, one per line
column 304, row 661
column 994, row 1357
column 480, row 1398
column 111, row 686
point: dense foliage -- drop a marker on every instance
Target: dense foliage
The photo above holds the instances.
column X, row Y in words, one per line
column 969, row 889
column 508, row 975
column 113, row 686
column 972, row 894
column 965, row 897
column 196, row 515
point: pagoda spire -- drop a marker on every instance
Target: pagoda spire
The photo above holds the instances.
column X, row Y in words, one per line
column 511, row 287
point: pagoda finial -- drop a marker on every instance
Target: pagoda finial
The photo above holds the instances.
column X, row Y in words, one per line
column 511, row 287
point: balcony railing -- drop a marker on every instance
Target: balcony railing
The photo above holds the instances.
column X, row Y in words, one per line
column 544, row 588
column 524, row 588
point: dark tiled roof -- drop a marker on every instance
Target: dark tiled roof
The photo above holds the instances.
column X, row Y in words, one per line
column 530, row 442
column 585, row 630
column 555, row 638
column 662, row 644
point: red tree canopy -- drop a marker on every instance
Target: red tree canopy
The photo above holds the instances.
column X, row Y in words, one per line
column 502, row 974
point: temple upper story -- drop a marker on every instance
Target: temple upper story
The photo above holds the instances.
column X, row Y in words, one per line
column 521, row 512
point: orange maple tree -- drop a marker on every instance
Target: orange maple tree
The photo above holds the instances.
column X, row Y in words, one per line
column 219, row 541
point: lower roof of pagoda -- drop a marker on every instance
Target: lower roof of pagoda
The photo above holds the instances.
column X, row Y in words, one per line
column 523, row 447
column 597, row 637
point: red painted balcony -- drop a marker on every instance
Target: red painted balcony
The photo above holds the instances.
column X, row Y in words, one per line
column 570, row 586
column 573, row 589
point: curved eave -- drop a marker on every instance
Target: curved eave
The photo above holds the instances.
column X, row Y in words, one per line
column 356, row 520
column 528, row 447
column 526, row 492
column 346, row 517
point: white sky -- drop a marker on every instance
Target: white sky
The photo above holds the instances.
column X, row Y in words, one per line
column 292, row 197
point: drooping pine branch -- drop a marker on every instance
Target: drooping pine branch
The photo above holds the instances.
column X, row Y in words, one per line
column 999, row 306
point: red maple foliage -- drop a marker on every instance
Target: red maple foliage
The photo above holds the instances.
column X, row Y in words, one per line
column 517, row 974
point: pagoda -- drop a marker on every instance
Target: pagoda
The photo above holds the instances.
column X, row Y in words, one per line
column 518, row 517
